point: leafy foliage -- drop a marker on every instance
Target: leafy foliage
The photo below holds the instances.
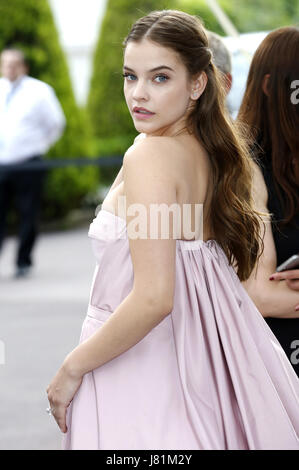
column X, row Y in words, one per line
column 256, row 15
column 261, row 15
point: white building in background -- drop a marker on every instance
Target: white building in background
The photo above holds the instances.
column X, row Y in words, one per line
column 78, row 23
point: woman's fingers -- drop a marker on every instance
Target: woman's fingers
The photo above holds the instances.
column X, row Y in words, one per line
column 285, row 275
column 291, row 278
column 58, row 411
column 59, row 414
column 61, row 392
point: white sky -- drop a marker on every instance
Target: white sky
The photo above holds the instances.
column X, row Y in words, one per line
column 78, row 23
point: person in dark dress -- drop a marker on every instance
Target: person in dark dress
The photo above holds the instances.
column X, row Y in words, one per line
column 270, row 109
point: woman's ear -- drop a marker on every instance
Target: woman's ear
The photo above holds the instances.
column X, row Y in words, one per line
column 228, row 81
column 198, row 86
column 265, row 84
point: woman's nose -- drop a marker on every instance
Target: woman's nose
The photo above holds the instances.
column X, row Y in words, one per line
column 140, row 90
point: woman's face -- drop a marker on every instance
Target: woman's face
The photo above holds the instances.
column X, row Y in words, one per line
column 156, row 87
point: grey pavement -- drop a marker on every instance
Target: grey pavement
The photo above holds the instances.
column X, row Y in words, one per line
column 40, row 322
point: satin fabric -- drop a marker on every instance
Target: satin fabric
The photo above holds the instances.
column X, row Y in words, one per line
column 211, row 375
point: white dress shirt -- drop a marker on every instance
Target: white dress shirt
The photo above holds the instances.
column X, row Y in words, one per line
column 31, row 119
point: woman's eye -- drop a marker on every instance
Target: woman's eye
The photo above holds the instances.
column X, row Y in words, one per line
column 129, row 76
column 158, row 78
column 161, row 78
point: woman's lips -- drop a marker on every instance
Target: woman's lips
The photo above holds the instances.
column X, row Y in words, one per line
column 142, row 113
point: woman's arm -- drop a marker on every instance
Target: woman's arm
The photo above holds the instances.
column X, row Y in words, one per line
column 272, row 299
column 148, row 179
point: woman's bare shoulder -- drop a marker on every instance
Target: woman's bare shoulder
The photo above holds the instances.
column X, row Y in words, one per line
column 160, row 150
column 156, row 143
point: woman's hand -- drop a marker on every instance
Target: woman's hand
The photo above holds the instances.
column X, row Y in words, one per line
column 60, row 392
column 291, row 278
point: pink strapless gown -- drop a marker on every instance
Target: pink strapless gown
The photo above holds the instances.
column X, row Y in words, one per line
column 211, row 375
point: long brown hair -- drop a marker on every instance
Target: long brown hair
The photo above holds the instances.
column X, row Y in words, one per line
column 235, row 224
column 273, row 118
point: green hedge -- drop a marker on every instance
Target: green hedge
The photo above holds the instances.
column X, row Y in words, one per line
column 29, row 25
column 261, row 15
column 247, row 16
column 201, row 9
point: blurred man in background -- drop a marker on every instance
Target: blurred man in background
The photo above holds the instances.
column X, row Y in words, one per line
column 31, row 120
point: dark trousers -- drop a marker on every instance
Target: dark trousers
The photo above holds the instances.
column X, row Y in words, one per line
column 25, row 188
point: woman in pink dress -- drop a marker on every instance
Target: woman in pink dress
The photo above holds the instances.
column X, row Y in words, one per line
column 173, row 353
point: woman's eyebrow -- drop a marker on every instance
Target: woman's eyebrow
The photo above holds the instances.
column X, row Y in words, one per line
column 151, row 70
